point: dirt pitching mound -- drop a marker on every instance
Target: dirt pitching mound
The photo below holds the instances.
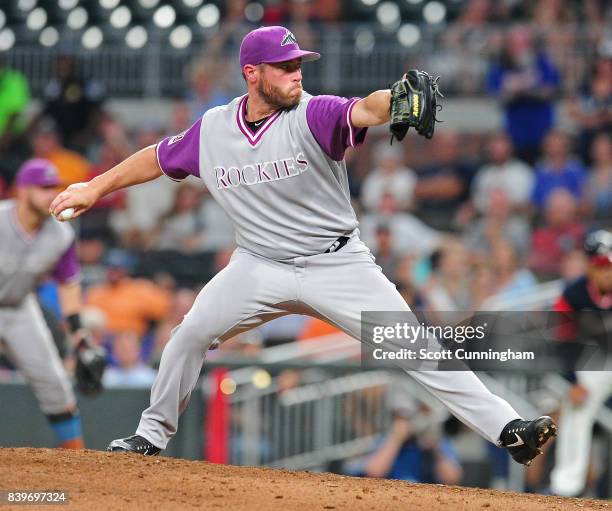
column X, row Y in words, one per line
column 100, row 480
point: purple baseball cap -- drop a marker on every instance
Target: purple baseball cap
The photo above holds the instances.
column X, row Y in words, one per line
column 37, row 172
column 267, row 45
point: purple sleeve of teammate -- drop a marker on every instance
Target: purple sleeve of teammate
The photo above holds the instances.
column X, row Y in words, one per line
column 179, row 156
column 67, row 268
column 329, row 120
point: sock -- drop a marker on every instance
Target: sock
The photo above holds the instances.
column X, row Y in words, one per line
column 67, row 429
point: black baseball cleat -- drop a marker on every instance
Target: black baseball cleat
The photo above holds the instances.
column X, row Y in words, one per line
column 135, row 443
column 524, row 439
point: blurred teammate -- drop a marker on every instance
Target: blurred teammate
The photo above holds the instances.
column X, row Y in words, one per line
column 591, row 292
column 274, row 160
column 34, row 245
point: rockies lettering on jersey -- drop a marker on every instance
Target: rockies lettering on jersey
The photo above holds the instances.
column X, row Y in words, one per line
column 284, row 187
column 261, row 172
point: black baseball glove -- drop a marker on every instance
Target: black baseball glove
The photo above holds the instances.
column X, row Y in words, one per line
column 414, row 104
column 90, row 365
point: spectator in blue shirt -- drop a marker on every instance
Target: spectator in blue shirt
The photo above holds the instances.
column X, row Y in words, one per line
column 130, row 370
column 207, row 89
column 419, row 460
column 558, row 169
column 415, row 448
column 526, row 83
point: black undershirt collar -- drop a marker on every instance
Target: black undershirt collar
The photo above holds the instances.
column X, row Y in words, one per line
column 255, row 125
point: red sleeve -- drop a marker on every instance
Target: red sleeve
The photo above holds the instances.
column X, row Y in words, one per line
column 565, row 329
column 562, row 305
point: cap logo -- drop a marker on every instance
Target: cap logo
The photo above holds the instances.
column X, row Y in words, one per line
column 288, row 39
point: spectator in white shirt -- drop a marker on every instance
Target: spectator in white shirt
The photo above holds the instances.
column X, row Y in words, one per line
column 504, row 172
column 409, row 234
column 389, row 175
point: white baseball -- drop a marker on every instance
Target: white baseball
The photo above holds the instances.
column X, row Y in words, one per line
column 65, row 214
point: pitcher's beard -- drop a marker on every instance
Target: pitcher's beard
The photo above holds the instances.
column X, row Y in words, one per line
column 274, row 97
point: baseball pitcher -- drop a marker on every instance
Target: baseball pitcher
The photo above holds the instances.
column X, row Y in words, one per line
column 274, row 160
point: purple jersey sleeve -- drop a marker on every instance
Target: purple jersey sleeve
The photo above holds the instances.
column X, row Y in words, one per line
column 329, row 120
column 67, row 268
column 179, row 156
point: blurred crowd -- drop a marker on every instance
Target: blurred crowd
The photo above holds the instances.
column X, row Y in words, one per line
column 455, row 222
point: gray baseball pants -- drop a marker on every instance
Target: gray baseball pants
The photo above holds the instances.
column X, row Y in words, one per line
column 29, row 345
column 335, row 287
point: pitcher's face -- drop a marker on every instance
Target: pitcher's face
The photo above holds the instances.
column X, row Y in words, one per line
column 280, row 84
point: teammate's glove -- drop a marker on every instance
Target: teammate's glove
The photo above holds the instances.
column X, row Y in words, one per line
column 414, row 104
column 90, row 365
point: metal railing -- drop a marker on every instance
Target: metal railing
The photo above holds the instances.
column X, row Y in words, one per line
column 317, row 423
column 308, row 426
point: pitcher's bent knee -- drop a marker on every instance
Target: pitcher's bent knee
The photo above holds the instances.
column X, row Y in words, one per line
column 192, row 336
